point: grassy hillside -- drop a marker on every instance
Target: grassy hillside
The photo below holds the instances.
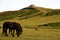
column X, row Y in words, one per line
column 29, row 12
column 31, row 15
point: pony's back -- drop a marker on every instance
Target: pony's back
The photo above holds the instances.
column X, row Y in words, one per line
column 8, row 25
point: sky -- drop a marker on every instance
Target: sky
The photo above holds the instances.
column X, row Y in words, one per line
column 8, row 5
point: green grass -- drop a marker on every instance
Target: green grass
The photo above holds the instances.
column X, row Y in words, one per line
column 32, row 34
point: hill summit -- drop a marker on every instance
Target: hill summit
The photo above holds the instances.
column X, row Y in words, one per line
column 32, row 6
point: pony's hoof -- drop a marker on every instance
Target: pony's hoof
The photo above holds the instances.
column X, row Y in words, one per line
column 12, row 35
column 17, row 35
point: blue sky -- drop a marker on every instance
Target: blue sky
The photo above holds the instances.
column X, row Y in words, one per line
column 6, row 5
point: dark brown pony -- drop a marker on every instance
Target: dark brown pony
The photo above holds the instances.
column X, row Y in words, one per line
column 12, row 26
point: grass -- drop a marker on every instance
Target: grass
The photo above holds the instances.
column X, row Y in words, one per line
column 32, row 34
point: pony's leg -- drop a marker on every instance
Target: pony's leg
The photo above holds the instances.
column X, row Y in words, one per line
column 6, row 32
column 17, row 33
column 10, row 31
column 13, row 31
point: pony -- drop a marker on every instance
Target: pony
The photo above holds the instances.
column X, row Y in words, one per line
column 12, row 26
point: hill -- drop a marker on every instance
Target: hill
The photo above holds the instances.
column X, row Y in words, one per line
column 32, row 15
column 28, row 12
